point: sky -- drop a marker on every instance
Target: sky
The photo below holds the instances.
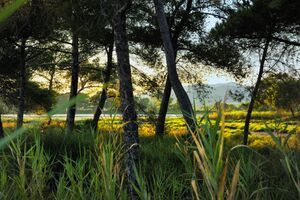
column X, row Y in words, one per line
column 218, row 79
column 213, row 78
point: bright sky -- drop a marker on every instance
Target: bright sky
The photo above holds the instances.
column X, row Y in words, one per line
column 217, row 79
column 214, row 78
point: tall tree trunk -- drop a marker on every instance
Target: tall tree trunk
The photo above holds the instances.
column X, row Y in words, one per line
column 161, row 119
column 74, row 82
column 1, row 128
column 103, row 96
column 22, row 87
column 126, row 93
column 254, row 92
column 50, row 88
column 181, row 95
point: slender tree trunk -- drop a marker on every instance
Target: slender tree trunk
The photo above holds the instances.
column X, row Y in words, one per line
column 103, row 96
column 164, row 105
column 52, row 73
column 50, row 88
column 22, row 87
column 74, row 82
column 292, row 111
column 254, row 92
column 181, row 95
column 126, row 93
column 1, row 128
column 161, row 119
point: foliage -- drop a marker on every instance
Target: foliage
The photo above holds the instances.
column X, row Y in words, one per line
column 39, row 99
column 280, row 91
column 259, row 19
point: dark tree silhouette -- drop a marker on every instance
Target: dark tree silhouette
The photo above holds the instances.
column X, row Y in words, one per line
column 126, row 93
column 183, row 99
column 107, row 76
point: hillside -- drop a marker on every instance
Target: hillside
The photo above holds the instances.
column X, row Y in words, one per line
column 217, row 93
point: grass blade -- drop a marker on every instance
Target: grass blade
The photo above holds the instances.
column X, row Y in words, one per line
column 10, row 9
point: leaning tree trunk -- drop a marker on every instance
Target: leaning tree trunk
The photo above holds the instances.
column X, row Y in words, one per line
column 161, row 119
column 103, row 96
column 181, row 95
column 164, row 105
column 74, row 82
column 254, row 92
column 22, row 87
column 1, row 128
column 126, row 93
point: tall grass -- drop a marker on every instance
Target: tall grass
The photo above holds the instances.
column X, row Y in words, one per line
column 240, row 172
column 28, row 171
column 288, row 158
column 48, row 164
column 210, row 171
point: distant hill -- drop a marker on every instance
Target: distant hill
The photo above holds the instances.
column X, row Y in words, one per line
column 217, row 92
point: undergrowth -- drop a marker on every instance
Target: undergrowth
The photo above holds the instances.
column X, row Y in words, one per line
column 49, row 164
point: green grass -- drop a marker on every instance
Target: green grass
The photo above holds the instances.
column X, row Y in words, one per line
column 85, row 166
column 233, row 132
column 46, row 163
column 10, row 9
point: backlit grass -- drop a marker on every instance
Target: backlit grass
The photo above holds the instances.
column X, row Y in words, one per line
column 46, row 163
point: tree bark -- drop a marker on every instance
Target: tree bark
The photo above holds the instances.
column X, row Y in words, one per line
column 126, row 93
column 181, row 95
column 22, row 87
column 254, row 92
column 161, row 119
column 103, row 96
column 1, row 128
column 74, row 82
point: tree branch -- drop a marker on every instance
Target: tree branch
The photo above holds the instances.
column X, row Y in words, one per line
column 289, row 42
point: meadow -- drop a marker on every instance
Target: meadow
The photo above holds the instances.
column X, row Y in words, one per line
column 46, row 163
